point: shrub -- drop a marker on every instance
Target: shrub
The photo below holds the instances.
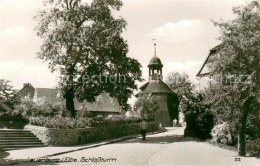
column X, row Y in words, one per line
column 64, row 123
column 253, row 146
column 41, row 107
column 225, row 134
column 12, row 117
column 146, row 106
column 132, row 114
column 84, row 113
column 199, row 124
column 205, row 123
column 222, row 133
column 199, row 120
column 96, row 121
column 6, row 114
column 121, row 119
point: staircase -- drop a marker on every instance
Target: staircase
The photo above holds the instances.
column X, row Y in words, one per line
column 11, row 139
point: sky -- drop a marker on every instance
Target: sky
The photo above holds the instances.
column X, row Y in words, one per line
column 183, row 31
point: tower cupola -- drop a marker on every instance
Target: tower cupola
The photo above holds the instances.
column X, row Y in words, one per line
column 155, row 67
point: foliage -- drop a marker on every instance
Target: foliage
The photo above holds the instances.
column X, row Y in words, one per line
column 146, row 106
column 60, row 122
column 66, row 122
column 253, row 135
column 199, row 121
column 222, row 133
column 236, row 97
column 9, row 116
column 4, row 108
column 173, row 104
column 253, row 146
column 6, row 93
column 132, row 113
column 84, row 113
column 81, row 122
column 84, row 43
column 182, row 86
column 41, row 107
column 121, row 119
column 12, row 124
column 198, row 118
column 205, row 123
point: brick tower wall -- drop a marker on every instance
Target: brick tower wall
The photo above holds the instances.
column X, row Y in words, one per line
column 162, row 115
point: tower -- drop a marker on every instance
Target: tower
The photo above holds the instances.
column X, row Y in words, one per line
column 167, row 100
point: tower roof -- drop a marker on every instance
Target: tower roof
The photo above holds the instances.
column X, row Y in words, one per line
column 155, row 61
column 155, row 86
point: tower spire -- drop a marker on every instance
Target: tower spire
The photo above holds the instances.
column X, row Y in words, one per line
column 154, row 47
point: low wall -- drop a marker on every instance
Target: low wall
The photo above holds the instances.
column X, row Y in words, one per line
column 66, row 137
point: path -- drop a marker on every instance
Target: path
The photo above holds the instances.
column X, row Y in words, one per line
column 168, row 148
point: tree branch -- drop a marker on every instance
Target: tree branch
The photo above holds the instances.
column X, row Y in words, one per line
column 67, row 5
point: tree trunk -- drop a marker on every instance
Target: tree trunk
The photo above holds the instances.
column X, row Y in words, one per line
column 242, row 132
column 70, row 102
column 242, row 142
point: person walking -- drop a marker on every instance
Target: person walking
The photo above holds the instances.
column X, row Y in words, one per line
column 143, row 126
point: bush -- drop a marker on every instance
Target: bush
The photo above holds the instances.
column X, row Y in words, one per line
column 64, row 123
column 8, row 116
column 121, row 119
column 85, row 113
column 146, row 106
column 199, row 124
column 96, row 121
column 12, row 124
column 253, row 146
column 205, row 123
column 199, row 120
column 81, row 122
column 28, row 108
column 222, row 133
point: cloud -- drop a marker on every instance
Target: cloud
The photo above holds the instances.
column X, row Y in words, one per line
column 18, row 42
column 19, row 73
column 189, row 67
column 183, row 30
column 14, row 33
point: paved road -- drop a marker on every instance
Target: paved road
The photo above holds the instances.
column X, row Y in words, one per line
column 169, row 148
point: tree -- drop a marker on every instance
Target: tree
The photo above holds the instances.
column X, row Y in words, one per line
column 235, row 97
column 173, row 104
column 199, row 121
column 83, row 42
column 146, row 106
column 6, row 93
column 181, row 85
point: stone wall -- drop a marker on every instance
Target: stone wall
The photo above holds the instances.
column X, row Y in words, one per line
column 66, row 137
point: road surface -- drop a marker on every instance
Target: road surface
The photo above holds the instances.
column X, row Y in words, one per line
column 168, row 148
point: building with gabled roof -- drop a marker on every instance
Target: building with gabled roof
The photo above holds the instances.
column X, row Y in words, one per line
column 105, row 105
column 204, row 74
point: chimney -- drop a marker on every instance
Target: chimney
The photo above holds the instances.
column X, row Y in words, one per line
column 24, row 84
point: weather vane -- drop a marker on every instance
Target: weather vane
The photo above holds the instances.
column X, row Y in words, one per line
column 154, row 46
